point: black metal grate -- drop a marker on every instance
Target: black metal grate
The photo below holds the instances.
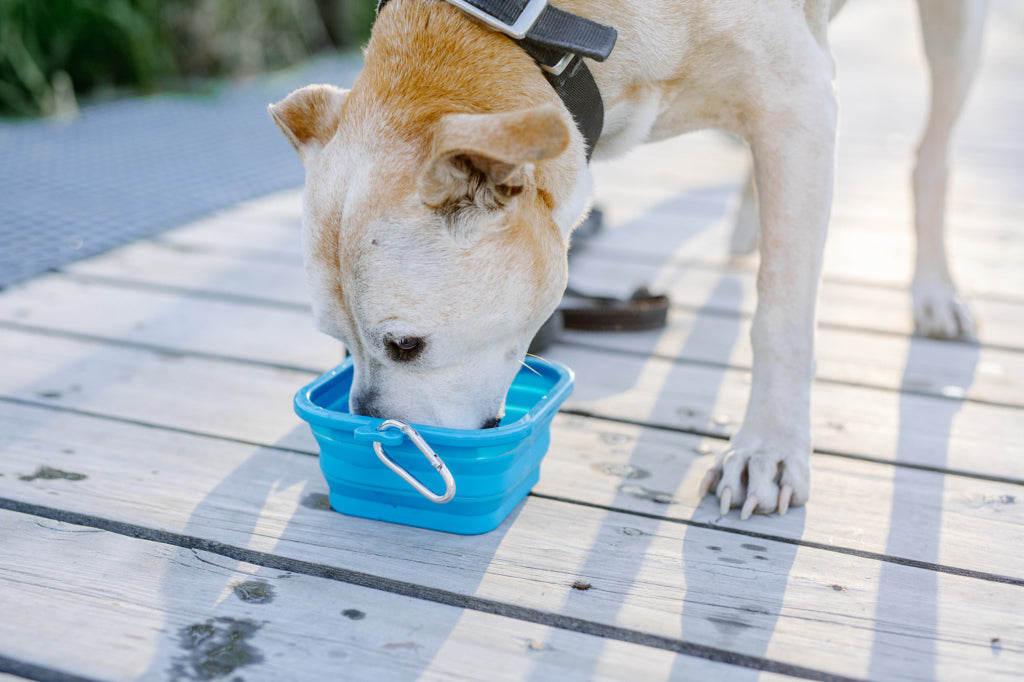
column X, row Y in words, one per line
column 128, row 169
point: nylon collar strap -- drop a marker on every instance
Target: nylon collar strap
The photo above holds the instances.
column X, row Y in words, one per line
column 557, row 41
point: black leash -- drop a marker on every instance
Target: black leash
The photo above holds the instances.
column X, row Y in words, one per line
column 641, row 311
column 557, row 41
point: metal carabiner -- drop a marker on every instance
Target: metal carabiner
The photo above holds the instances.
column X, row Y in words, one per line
column 432, row 457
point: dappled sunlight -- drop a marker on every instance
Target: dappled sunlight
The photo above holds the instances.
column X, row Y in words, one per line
column 815, row 594
column 629, row 187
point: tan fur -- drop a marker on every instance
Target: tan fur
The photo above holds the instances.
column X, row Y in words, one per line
column 412, row 93
column 498, row 145
column 310, row 115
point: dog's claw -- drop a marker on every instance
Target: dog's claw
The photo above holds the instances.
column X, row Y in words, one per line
column 748, row 507
column 785, row 496
column 726, row 501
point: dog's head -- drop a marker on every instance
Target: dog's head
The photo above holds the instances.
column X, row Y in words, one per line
column 433, row 253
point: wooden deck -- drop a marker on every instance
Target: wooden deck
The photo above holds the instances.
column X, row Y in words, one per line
column 163, row 516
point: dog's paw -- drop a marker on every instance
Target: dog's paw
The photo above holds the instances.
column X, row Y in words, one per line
column 940, row 313
column 761, row 481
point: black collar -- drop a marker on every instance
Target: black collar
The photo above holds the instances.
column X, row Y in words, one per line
column 557, row 41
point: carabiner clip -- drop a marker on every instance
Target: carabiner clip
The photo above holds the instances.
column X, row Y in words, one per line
column 432, row 457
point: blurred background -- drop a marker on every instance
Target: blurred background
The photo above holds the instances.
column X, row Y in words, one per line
column 123, row 118
column 53, row 53
column 120, row 119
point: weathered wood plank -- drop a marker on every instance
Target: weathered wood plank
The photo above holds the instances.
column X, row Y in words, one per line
column 798, row 605
column 203, row 325
column 601, row 267
column 691, row 224
column 907, row 428
column 687, row 200
column 268, row 227
column 252, row 403
column 287, row 337
column 606, row 265
column 870, row 233
column 731, row 289
column 916, row 365
column 151, row 264
column 692, row 228
column 918, row 516
column 142, row 609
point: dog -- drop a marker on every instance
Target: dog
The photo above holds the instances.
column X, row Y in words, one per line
column 442, row 189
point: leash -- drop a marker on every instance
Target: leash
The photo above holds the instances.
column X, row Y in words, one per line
column 641, row 311
column 557, row 41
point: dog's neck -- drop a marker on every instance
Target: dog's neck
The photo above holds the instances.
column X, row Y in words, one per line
column 557, row 41
column 427, row 59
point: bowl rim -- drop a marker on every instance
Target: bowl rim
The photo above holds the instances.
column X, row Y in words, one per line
column 538, row 415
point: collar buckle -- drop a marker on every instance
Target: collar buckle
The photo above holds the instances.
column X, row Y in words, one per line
column 518, row 30
column 558, row 68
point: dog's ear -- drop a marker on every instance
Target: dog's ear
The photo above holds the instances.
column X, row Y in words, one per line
column 309, row 117
column 483, row 160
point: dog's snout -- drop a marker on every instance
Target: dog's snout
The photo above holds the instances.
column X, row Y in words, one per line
column 365, row 406
column 373, row 403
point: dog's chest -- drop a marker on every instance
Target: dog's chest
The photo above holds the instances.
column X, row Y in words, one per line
column 679, row 67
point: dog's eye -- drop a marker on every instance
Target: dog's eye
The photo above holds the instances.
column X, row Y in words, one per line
column 404, row 348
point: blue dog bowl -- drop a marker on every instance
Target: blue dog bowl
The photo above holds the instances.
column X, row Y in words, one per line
column 373, row 467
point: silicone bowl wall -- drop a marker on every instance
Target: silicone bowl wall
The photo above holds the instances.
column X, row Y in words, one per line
column 493, row 468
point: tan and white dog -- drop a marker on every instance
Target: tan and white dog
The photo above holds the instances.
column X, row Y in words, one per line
column 441, row 191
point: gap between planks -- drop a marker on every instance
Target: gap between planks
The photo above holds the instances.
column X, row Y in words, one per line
column 627, row 503
column 696, row 424
column 568, row 340
column 425, row 593
column 618, row 254
column 852, row 567
column 614, row 256
column 991, row 384
column 580, row 409
column 65, row 351
column 16, row 670
column 377, row 634
column 697, row 291
column 320, row 538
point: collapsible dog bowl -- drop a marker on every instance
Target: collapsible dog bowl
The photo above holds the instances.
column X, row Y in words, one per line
column 455, row 480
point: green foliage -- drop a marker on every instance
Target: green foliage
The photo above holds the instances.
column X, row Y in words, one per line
column 46, row 46
column 52, row 49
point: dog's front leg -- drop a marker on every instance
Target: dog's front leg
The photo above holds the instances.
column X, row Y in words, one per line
column 766, row 465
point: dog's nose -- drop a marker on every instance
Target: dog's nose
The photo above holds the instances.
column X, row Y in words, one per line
column 491, row 423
